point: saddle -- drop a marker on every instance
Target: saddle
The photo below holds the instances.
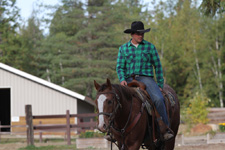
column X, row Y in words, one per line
column 140, row 88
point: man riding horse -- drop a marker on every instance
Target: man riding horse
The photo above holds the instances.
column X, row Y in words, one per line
column 137, row 58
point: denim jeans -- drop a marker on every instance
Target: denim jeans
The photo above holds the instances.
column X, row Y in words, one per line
column 153, row 90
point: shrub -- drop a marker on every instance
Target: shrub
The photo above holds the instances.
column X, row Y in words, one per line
column 222, row 127
column 197, row 110
column 91, row 134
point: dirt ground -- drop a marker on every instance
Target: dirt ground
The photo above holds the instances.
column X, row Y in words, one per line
column 16, row 146
column 192, row 143
column 202, row 147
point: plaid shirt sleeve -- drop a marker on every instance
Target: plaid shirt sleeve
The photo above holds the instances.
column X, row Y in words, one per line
column 120, row 68
column 158, row 67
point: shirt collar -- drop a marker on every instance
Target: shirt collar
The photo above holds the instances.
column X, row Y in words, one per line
column 130, row 44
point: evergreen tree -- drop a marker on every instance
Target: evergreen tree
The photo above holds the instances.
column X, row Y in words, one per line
column 57, row 50
column 9, row 44
column 31, row 37
column 83, row 42
column 97, row 48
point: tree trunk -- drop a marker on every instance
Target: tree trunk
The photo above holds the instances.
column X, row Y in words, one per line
column 197, row 66
column 219, row 73
column 48, row 77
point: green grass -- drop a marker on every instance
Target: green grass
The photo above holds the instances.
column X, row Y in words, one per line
column 45, row 140
column 22, row 140
column 12, row 140
column 50, row 147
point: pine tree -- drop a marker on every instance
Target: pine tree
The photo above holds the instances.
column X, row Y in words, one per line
column 31, row 37
column 9, row 43
column 83, row 42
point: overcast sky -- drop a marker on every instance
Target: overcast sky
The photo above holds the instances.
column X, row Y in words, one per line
column 26, row 6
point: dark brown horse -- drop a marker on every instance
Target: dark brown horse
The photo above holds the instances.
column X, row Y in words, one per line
column 122, row 114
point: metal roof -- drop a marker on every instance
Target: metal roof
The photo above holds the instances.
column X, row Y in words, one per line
column 44, row 82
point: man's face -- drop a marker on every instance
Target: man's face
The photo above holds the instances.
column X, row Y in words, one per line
column 137, row 37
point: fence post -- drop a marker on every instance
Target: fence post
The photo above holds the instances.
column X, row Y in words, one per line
column 29, row 122
column 182, row 138
column 0, row 131
column 208, row 138
column 91, row 121
column 68, row 127
column 40, row 140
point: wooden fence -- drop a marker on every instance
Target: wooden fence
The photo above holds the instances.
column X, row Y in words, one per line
column 81, row 125
column 200, row 140
column 216, row 115
column 10, row 126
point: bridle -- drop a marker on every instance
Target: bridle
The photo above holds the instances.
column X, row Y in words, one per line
column 126, row 129
column 112, row 114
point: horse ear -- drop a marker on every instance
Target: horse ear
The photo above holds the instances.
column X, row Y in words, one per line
column 97, row 86
column 109, row 83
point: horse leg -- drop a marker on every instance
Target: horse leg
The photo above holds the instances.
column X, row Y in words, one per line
column 135, row 138
column 135, row 146
column 129, row 146
column 160, row 145
column 170, row 144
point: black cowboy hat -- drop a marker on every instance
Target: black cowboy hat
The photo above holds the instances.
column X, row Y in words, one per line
column 137, row 26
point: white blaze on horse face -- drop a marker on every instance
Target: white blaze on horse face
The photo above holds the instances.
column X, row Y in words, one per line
column 101, row 100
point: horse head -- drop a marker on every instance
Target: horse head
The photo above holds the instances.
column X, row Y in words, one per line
column 107, row 103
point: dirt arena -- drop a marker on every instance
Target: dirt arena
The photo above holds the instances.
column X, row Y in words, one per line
column 202, row 147
column 185, row 142
column 16, row 146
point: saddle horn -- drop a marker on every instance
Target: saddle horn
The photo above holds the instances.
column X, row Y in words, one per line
column 135, row 83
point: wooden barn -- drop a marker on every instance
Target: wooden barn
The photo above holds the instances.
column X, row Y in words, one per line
column 18, row 89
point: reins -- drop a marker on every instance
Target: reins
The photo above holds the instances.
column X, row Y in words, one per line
column 123, row 130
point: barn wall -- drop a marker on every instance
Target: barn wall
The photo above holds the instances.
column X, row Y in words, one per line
column 44, row 100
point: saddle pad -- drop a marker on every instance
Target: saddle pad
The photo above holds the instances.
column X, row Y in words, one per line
column 171, row 99
column 145, row 101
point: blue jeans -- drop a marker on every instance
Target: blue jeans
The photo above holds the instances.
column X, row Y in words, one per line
column 155, row 94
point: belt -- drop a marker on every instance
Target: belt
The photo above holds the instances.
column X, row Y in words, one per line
column 137, row 75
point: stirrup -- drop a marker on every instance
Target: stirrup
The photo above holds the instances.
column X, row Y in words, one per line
column 168, row 136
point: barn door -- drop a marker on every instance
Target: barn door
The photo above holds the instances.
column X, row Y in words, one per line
column 5, row 108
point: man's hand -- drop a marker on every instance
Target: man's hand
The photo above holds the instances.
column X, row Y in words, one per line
column 123, row 83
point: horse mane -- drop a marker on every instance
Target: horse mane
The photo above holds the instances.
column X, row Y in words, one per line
column 124, row 92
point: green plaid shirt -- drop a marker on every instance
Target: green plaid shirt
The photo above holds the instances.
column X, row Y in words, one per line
column 139, row 61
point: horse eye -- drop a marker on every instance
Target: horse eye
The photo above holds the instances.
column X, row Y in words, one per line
column 109, row 102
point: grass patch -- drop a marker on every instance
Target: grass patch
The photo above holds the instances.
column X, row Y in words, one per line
column 45, row 140
column 22, row 140
column 50, row 147
column 12, row 140
column 91, row 134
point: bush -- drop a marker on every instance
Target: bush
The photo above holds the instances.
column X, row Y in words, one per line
column 222, row 127
column 91, row 134
column 197, row 110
